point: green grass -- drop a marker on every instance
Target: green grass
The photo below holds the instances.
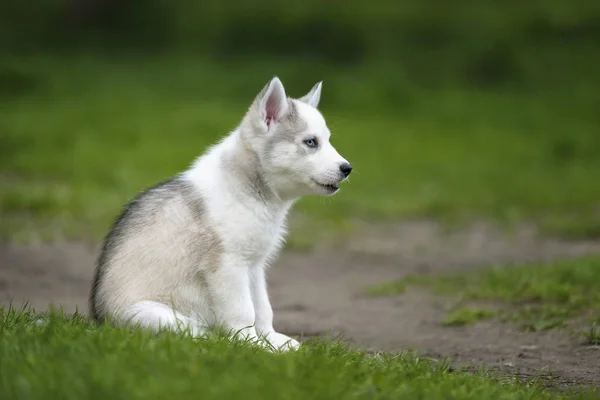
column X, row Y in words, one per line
column 592, row 333
column 80, row 136
column 68, row 358
column 467, row 315
column 540, row 296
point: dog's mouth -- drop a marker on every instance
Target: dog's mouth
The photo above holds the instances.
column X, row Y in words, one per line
column 329, row 187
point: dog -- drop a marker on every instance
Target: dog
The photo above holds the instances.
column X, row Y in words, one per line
column 192, row 253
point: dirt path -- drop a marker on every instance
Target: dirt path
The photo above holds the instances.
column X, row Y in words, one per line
column 322, row 293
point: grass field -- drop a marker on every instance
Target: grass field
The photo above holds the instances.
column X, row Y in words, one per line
column 79, row 136
column 67, row 358
column 538, row 297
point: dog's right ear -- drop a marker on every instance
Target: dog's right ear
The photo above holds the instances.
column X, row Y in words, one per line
column 271, row 103
column 314, row 96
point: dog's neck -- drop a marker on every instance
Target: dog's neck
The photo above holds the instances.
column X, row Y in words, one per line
column 242, row 165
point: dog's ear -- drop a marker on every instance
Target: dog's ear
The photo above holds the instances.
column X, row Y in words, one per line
column 314, row 96
column 271, row 103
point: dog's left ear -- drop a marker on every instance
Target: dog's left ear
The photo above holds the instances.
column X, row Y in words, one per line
column 272, row 103
column 314, row 96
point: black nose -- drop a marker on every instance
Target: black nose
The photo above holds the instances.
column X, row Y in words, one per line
column 346, row 169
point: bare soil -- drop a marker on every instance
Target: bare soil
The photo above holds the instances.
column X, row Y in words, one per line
column 322, row 292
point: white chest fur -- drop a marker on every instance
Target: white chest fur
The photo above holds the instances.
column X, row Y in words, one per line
column 255, row 237
column 246, row 226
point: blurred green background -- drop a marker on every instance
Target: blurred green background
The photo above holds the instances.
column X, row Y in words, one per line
column 456, row 111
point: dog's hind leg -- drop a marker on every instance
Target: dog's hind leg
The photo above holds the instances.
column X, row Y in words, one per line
column 158, row 316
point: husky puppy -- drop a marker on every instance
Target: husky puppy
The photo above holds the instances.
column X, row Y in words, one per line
column 192, row 252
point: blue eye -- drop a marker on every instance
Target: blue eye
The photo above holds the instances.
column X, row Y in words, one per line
column 311, row 142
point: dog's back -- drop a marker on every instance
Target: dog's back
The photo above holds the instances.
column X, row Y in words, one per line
column 160, row 240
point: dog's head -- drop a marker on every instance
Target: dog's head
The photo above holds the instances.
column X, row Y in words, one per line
column 291, row 139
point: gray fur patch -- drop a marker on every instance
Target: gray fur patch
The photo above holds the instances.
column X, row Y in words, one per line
column 249, row 173
column 291, row 125
column 145, row 213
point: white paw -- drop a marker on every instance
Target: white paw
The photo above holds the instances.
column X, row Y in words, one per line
column 282, row 342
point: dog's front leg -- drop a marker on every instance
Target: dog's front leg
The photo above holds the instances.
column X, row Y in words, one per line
column 264, row 312
column 229, row 287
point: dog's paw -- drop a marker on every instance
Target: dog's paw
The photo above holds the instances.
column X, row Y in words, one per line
column 281, row 342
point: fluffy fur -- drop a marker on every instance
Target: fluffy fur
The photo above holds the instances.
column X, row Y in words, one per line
column 193, row 252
